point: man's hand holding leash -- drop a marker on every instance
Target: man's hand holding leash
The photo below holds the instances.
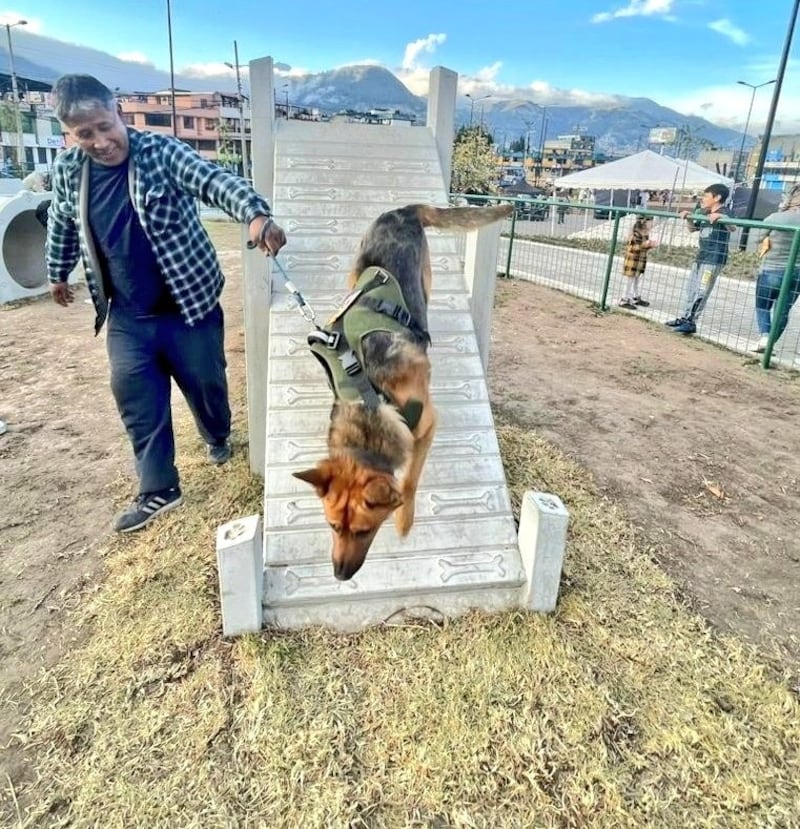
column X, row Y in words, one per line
column 266, row 235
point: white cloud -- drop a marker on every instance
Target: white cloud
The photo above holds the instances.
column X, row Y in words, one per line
column 725, row 28
column 425, row 44
column 206, row 70
column 135, row 57
column 637, row 8
column 32, row 24
column 727, row 106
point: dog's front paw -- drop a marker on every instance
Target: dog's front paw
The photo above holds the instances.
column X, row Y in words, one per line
column 404, row 517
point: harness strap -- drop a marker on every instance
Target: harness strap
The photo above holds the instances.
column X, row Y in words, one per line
column 397, row 313
column 337, row 346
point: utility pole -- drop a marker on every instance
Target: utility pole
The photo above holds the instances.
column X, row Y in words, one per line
column 15, row 93
column 243, row 134
column 172, row 71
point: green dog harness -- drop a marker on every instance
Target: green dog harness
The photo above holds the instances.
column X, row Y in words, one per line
column 375, row 304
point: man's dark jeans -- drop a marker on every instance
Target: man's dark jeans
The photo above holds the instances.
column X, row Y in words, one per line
column 145, row 354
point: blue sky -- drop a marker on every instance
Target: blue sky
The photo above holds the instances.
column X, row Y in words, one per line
column 685, row 54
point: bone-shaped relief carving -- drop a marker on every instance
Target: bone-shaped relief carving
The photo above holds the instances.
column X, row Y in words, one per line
column 312, row 260
column 459, row 391
column 454, row 567
column 310, row 448
column 445, row 444
column 297, row 583
column 294, row 396
column 456, row 342
column 448, row 302
column 297, row 510
column 315, row 225
column 407, row 167
column 324, row 193
column 312, row 163
column 441, row 503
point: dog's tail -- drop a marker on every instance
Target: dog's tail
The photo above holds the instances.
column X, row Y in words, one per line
column 463, row 218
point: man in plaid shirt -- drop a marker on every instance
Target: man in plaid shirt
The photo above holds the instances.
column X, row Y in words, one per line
column 124, row 203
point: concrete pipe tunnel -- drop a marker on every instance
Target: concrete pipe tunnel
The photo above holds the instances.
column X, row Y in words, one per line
column 23, row 272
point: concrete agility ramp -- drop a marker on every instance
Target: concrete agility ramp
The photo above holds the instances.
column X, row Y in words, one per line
column 23, row 272
column 327, row 182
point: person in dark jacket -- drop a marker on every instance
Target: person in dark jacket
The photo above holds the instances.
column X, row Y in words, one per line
column 712, row 254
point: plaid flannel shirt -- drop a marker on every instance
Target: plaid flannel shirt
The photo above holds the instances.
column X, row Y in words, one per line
column 166, row 176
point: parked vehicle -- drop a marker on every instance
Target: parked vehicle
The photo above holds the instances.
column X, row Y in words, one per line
column 532, row 210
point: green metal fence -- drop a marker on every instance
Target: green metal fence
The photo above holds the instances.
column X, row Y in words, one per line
column 579, row 253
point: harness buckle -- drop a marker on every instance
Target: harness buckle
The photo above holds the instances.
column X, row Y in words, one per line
column 350, row 363
column 330, row 339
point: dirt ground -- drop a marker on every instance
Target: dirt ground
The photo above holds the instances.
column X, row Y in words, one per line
column 699, row 445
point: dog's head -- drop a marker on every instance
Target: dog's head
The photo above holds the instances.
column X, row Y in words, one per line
column 356, row 500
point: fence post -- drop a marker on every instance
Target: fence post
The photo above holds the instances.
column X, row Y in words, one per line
column 511, row 241
column 610, row 263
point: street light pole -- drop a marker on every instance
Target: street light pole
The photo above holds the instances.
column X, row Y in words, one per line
column 773, row 107
column 15, row 93
column 171, row 70
column 753, row 87
column 472, row 104
column 243, row 135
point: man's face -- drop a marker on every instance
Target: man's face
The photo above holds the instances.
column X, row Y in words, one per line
column 101, row 134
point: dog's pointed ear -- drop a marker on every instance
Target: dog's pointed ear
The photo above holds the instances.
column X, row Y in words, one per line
column 319, row 477
column 382, row 492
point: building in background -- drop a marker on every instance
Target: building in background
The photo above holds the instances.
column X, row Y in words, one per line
column 781, row 165
column 209, row 122
column 40, row 134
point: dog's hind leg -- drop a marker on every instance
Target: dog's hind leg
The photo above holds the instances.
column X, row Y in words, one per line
column 423, row 437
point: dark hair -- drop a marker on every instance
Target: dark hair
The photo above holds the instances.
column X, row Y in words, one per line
column 74, row 95
column 719, row 190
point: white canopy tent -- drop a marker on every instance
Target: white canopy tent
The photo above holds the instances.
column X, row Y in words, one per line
column 645, row 171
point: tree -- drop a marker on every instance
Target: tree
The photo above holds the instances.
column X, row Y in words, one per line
column 474, row 162
column 227, row 154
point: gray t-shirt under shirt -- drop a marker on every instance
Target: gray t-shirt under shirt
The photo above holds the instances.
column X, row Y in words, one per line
column 780, row 242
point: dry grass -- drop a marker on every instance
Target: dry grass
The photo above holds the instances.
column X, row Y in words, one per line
column 620, row 710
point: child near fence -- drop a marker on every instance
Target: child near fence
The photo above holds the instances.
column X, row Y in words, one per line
column 636, row 248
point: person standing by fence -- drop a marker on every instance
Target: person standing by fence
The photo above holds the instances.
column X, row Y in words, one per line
column 635, row 262
column 776, row 246
column 711, row 256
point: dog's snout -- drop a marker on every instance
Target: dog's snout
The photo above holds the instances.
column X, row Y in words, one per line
column 342, row 570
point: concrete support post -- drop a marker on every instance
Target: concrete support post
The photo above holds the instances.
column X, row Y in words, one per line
column 442, row 88
column 542, row 540
column 240, row 565
column 480, row 272
column 257, row 268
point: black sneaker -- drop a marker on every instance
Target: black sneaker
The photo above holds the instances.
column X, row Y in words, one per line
column 675, row 323
column 219, row 453
column 637, row 300
column 686, row 327
column 146, row 507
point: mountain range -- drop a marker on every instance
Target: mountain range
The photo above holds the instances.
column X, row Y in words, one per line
column 619, row 127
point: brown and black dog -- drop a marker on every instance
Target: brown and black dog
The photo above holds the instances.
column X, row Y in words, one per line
column 367, row 445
